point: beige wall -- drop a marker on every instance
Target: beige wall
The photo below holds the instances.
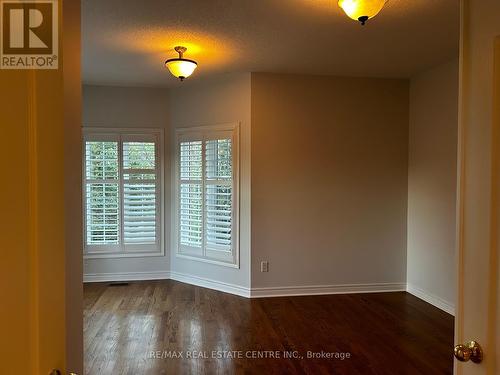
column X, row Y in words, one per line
column 114, row 106
column 329, row 180
column 432, row 173
column 225, row 99
column 105, row 106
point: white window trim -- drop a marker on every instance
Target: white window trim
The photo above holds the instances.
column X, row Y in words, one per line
column 200, row 131
column 123, row 251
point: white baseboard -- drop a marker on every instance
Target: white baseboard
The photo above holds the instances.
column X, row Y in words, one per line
column 125, row 276
column 312, row 290
column 309, row 290
column 165, row 275
column 238, row 290
column 211, row 284
column 431, row 298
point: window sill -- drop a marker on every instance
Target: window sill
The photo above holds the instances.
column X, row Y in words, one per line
column 102, row 255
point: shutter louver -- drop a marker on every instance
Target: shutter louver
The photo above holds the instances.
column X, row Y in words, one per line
column 190, row 199
column 139, row 193
column 218, row 195
column 190, row 215
column 102, row 188
column 218, row 217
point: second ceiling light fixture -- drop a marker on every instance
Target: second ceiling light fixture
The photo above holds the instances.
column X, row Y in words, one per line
column 362, row 10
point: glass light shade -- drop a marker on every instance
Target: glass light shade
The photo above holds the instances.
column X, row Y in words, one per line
column 181, row 68
column 362, row 10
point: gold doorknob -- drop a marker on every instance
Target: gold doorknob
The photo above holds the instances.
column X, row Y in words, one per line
column 470, row 351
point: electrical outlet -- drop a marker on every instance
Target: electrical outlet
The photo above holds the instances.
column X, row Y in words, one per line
column 264, row 266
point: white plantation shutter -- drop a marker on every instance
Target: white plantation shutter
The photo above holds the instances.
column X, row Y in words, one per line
column 122, row 192
column 190, row 199
column 139, row 193
column 191, row 215
column 102, row 186
column 207, row 211
column 139, row 213
column 218, row 194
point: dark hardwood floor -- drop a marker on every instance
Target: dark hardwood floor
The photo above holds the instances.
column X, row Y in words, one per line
column 134, row 329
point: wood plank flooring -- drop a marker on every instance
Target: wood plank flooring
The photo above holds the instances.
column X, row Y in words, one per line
column 134, row 330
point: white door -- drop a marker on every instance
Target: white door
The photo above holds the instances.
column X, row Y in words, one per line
column 477, row 316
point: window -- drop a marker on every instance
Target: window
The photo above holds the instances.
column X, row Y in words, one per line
column 207, row 194
column 122, row 192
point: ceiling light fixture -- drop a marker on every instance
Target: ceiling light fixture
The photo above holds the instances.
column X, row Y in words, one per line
column 179, row 66
column 362, row 10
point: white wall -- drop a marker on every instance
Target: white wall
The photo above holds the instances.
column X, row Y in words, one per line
column 225, row 99
column 105, row 106
column 329, row 183
column 432, row 185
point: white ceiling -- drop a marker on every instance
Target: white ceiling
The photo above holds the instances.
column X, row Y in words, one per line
column 125, row 42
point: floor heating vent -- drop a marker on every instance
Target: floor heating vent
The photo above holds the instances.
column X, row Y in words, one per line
column 118, row 283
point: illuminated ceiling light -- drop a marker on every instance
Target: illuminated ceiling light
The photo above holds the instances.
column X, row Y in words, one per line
column 181, row 67
column 362, row 10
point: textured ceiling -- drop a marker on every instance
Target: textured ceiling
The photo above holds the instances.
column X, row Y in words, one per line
column 125, row 42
